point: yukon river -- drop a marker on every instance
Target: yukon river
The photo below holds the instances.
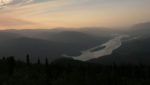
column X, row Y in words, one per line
column 101, row 50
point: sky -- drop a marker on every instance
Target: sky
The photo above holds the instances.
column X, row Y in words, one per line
column 48, row 14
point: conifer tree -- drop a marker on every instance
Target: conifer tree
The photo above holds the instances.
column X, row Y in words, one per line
column 3, row 58
column 48, row 82
column 46, row 62
column 28, row 59
column 38, row 62
column 11, row 63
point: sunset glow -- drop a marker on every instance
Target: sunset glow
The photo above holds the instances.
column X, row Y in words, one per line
column 33, row 14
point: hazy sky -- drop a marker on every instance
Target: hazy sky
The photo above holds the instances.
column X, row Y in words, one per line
column 29, row 14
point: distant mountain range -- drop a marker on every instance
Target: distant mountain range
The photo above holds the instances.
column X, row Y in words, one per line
column 46, row 43
column 54, row 43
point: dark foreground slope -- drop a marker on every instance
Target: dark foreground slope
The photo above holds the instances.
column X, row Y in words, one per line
column 70, row 72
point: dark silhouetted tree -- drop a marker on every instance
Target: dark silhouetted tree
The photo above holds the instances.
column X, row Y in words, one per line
column 11, row 63
column 47, row 70
column 46, row 62
column 28, row 59
column 3, row 58
column 38, row 62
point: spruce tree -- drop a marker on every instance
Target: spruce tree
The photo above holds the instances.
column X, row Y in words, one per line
column 48, row 82
column 28, row 59
column 11, row 64
column 38, row 62
column 46, row 62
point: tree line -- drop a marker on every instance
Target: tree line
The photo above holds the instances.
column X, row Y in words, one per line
column 70, row 72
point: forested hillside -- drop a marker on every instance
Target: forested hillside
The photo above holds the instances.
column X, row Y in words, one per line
column 70, row 72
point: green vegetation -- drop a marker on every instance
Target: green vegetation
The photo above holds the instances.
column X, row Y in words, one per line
column 70, row 72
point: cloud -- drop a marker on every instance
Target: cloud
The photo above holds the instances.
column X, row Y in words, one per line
column 6, row 3
column 11, row 22
column 6, row 20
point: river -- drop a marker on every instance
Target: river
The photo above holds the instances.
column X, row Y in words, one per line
column 101, row 50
